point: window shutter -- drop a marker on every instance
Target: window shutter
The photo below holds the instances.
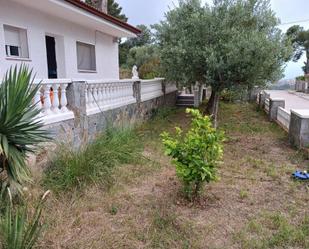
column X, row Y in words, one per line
column 86, row 57
column 12, row 37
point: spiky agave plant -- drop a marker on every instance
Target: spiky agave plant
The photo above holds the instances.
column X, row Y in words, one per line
column 18, row 228
column 20, row 131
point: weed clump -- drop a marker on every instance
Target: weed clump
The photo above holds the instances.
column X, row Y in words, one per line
column 76, row 169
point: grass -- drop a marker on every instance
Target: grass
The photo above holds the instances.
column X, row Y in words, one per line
column 71, row 170
column 241, row 120
column 243, row 194
column 255, row 204
column 167, row 231
column 274, row 230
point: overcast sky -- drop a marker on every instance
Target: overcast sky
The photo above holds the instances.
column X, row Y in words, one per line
column 152, row 11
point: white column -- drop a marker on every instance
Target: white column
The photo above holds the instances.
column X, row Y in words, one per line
column 55, row 102
column 86, row 96
column 100, row 94
column 127, row 92
column 95, row 95
column 63, row 101
column 117, row 93
column 90, row 97
column 37, row 100
column 123, row 93
column 107, row 95
column 47, row 102
column 112, row 92
column 104, row 95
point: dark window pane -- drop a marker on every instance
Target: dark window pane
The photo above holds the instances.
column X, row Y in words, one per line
column 14, row 51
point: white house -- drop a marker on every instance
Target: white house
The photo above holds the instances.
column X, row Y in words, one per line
column 60, row 39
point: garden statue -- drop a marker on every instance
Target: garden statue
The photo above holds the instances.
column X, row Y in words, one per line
column 135, row 73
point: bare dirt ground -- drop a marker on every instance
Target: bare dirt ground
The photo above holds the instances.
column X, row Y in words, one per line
column 255, row 204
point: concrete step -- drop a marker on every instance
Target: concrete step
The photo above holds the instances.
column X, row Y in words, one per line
column 185, row 97
column 185, row 100
column 184, row 105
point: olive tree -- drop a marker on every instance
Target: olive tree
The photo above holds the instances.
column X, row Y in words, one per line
column 232, row 43
column 300, row 41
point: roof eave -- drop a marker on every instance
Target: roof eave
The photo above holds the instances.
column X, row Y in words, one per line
column 105, row 16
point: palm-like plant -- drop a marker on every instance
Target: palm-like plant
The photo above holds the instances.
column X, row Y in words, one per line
column 18, row 229
column 20, row 131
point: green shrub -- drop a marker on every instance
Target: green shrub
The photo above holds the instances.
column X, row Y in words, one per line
column 303, row 77
column 150, row 69
column 196, row 153
column 235, row 94
column 125, row 73
column 95, row 164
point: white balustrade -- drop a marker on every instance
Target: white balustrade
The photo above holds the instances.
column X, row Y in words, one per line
column 51, row 99
column 100, row 96
column 151, row 89
column 106, row 95
column 283, row 118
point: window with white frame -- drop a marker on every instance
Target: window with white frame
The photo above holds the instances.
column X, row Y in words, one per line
column 16, row 42
column 86, row 57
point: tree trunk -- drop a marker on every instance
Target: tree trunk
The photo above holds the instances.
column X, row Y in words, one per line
column 197, row 190
column 216, row 109
column 307, row 63
column 210, row 103
column 213, row 106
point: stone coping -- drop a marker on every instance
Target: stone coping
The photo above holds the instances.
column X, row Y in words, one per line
column 52, row 81
column 302, row 113
column 277, row 99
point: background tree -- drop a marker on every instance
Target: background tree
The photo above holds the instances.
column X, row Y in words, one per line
column 146, row 58
column 234, row 43
column 113, row 8
column 141, row 51
column 300, row 41
column 145, row 38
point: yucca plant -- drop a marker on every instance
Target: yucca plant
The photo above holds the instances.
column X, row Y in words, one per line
column 20, row 131
column 18, row 229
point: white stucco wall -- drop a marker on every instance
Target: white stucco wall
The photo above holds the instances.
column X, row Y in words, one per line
column 67, row 33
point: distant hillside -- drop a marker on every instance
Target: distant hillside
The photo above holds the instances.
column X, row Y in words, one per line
column 283, row 85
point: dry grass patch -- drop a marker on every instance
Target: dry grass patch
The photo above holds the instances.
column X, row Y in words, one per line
column 255, row 204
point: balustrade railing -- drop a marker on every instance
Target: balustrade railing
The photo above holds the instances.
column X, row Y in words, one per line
column 51, row 99
column 102, row 96
column 151, row 89
column 283, row 118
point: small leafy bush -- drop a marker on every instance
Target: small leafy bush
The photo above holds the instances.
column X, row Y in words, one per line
column 195, row 154
column 303, row 78
column 235, row 94
column 76, row 169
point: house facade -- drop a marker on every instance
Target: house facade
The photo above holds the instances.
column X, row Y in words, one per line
column 60, row 39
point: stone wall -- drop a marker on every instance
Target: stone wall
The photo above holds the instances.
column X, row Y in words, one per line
column 84, row 128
